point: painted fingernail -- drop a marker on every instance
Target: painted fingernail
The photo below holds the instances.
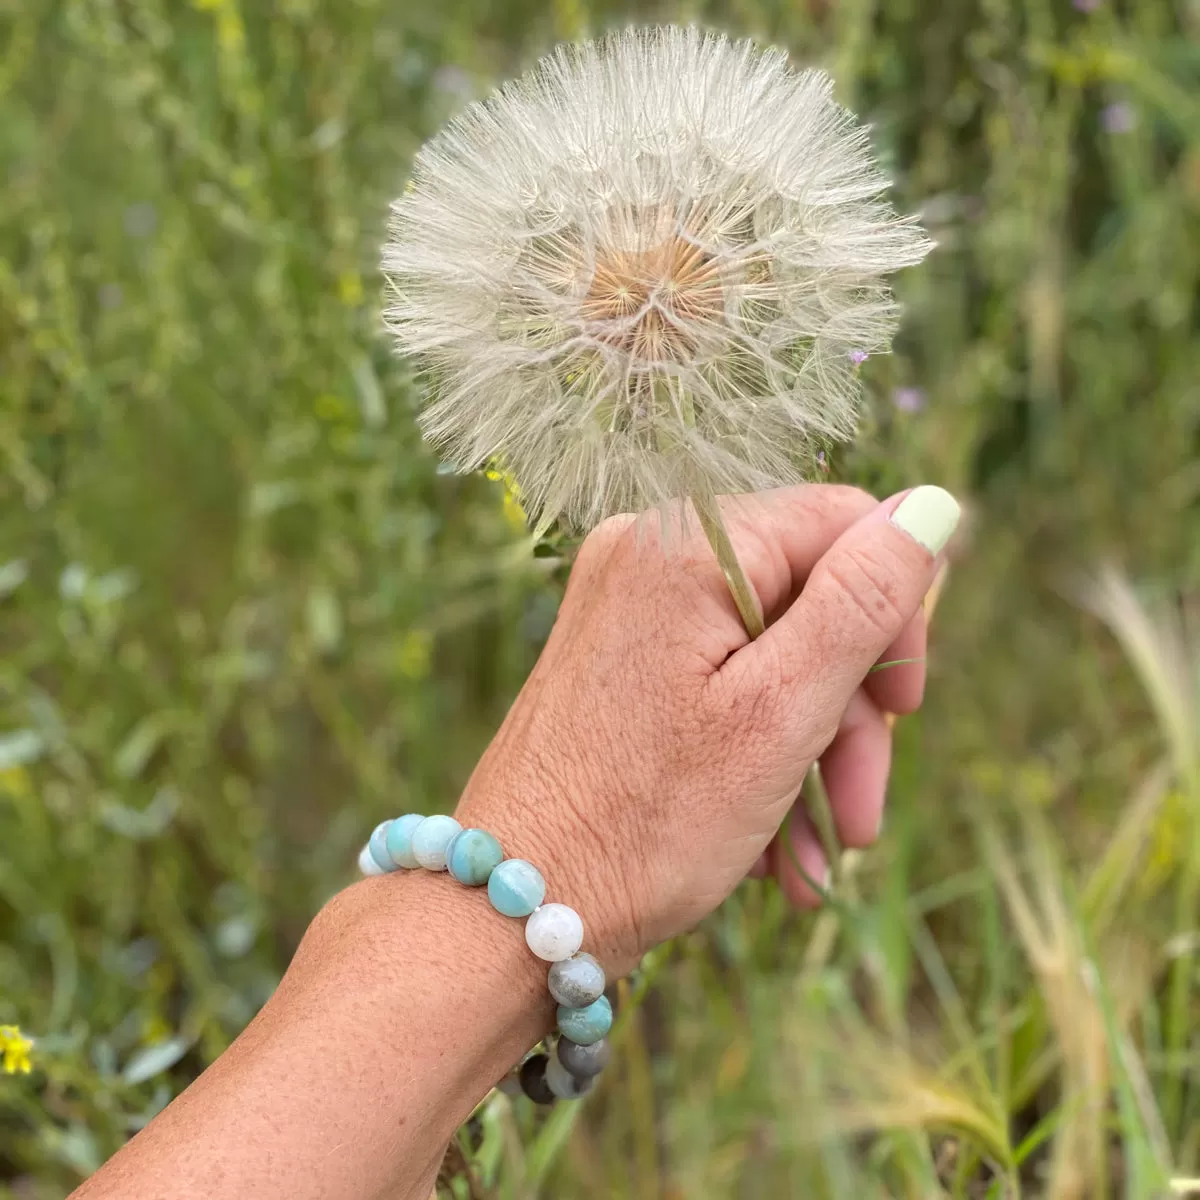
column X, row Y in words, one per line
column 928, row 515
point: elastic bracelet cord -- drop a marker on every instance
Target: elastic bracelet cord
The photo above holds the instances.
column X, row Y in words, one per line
column 553, row 932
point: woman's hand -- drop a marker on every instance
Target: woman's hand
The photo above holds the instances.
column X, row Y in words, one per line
column 649, row 761
column 645, row 767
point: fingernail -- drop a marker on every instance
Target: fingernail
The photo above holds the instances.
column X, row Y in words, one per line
column 928, row 515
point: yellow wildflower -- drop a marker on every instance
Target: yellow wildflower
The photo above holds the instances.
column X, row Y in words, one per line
column 514, row 510
column 329, row 407
column 231, row 33
column 350, row 288
column 15, row 1049
column 414, row 654
column 16, row 782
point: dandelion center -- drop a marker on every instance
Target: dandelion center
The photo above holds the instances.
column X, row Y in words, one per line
column 654, row 304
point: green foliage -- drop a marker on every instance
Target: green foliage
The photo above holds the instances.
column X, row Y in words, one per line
column 243, row 617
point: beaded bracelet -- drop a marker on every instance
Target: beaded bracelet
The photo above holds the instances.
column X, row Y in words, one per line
column 553, row 932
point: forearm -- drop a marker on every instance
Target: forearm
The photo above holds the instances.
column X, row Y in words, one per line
column 407, row 1000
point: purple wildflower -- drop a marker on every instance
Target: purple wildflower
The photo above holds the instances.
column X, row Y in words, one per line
column 453, row 81
column 1118, row 117
column 858, row 357
column 909, row 399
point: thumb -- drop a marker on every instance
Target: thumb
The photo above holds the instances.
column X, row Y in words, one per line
column 862, row 592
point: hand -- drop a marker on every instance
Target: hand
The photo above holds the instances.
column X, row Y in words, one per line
column 652, row 756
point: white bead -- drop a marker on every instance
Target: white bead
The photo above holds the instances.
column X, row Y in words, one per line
column 367, row 864
column 554, row 932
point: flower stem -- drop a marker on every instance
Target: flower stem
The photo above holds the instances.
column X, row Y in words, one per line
column 713, row 525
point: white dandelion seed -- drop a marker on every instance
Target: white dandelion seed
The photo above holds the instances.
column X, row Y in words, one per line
column 644, row 271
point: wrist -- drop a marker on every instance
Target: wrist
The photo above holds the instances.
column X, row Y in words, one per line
column 407, row 1000
column 449, row 993
column 536, row 821
column 424, row 925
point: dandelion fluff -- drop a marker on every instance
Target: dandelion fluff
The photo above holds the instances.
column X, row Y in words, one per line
column 645, row 270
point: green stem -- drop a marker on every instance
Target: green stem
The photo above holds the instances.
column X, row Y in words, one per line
column 713, row 525
column 1179, row 1022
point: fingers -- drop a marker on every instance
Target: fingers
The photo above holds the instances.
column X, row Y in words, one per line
column 778, row 536
column 860, row 596
column 854, row 770
column 899, row 689
column 798, row 861
column 781, row 534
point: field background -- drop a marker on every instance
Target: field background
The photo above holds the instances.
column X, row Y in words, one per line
column 243, row 617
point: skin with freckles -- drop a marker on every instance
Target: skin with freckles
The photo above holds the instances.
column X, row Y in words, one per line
column 646, row 768
column 659, row 750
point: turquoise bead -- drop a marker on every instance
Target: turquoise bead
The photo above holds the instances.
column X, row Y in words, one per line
column 399, row 840
column 472, row 856
column 586, row 1025
column 378, row 848
column 516, row 888
column 430, row 839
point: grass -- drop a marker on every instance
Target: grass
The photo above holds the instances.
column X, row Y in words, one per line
column 244, row 617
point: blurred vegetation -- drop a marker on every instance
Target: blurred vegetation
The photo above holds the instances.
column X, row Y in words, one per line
column 243, row 617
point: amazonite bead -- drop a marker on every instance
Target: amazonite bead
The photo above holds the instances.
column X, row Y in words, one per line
column 586, row 1025
column 366, row 864
column 378, row 847
column 576, row 981
column 399, row 840
column 554, row 932
column 563, row 1084
column 430, row 839
column 472, row 856
column 516, row 888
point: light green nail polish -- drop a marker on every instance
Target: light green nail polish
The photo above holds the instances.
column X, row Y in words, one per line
column 929, row 515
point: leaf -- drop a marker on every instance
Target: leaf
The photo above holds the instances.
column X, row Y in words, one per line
column 141, row 824
column 370, row 395
column 153, row 1060
column 134, row 753
column 12, row 575
column 324, row 619
column 20, row 748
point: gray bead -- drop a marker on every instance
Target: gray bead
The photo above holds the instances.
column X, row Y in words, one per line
column 584, row 1061
column 577, row 981
column 563, row 1084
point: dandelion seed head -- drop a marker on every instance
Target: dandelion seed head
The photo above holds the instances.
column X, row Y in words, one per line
column 644, row 270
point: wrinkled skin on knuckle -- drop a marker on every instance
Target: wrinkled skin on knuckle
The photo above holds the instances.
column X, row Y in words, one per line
column 830, row 499
column 757, row 711
column 775, row 723
column 868, row 582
